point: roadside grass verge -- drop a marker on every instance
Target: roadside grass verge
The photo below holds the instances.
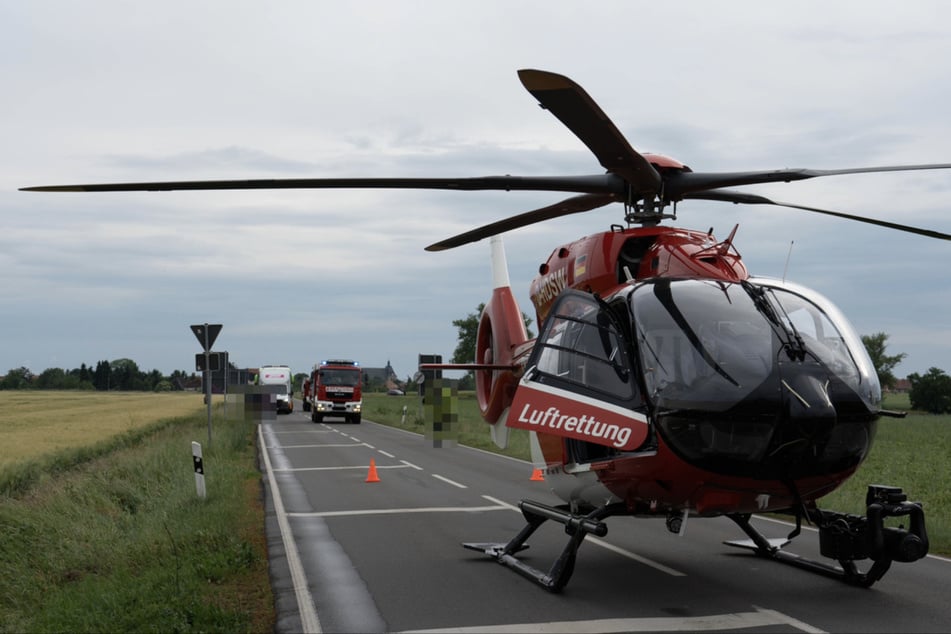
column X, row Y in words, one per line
column 913, row 453
column 115, row 538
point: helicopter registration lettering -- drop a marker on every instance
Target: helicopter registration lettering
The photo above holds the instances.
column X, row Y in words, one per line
column 546, row 409
column 547, row 288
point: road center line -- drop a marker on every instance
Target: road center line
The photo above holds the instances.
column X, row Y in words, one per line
column 638, row 558
column 318, row 445
column 501, row 503
column 448, row 481
column 431, row 509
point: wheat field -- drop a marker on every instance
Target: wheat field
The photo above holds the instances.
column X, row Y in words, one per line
column 37, row 423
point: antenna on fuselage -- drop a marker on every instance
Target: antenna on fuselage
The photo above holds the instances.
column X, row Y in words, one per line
column 788, row 255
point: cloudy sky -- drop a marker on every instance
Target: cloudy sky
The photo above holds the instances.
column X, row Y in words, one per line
column 116, row 91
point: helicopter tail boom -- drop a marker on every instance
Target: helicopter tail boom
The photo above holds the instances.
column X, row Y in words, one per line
column 501, row 340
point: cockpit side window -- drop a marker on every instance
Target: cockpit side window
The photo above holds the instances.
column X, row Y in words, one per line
column 582, row 348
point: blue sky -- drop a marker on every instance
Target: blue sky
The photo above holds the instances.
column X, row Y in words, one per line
column 112, row 91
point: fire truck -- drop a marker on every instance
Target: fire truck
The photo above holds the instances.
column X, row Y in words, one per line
column 336, row 388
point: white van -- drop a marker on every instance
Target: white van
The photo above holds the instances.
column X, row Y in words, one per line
column 279, row 375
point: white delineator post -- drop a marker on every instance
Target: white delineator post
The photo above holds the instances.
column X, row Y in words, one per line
column 199, row 469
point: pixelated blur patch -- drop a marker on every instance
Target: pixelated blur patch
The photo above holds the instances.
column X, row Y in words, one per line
column 442, row 405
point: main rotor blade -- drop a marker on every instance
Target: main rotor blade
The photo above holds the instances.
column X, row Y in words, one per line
column 577, row 110
column 594, row 184
column 678, row 184
column 573, row 205
column 754, row 199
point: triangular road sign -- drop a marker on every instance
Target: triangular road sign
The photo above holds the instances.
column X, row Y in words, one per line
column 206, row 334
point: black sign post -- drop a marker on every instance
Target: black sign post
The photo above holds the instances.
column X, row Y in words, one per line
column 206, row 335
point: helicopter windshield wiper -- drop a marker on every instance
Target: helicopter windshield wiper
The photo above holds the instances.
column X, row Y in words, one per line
column 792, row 341
column 800, row 351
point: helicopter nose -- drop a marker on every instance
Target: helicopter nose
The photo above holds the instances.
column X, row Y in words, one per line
column 810, row 414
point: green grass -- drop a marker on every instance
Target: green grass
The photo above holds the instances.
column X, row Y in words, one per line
column 911, row 453
column 122, row 542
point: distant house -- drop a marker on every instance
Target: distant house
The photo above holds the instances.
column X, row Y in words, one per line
column 902, row 386
column 386, row 376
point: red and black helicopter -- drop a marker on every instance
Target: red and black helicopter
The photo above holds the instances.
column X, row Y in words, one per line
column 666, row 381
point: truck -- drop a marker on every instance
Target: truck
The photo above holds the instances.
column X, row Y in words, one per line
column 278, row 375
column 336, row 390
column 305, row 396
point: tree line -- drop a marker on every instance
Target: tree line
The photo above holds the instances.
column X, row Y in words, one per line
column 930, row 392
column 118, row 375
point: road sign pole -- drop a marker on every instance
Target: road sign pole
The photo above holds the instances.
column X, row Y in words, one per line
column 206, row 337
column 208, row 381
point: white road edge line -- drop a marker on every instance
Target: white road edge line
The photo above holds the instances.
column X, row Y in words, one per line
column 305, row 603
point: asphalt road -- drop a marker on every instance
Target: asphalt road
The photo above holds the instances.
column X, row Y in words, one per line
column 352, row 555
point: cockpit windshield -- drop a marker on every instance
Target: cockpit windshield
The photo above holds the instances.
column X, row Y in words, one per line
column 710, row 344
column 347, row 378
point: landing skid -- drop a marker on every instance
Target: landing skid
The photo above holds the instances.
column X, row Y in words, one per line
column 577, row 527
column 849, row 538
column 772, row 549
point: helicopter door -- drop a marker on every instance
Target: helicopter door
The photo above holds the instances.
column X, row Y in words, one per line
column 580, row 383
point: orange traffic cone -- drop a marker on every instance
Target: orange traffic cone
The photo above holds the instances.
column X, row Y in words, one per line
column 372, row 476
column 537, row 476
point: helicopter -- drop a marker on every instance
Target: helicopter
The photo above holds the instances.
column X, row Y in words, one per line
column 666, row 381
